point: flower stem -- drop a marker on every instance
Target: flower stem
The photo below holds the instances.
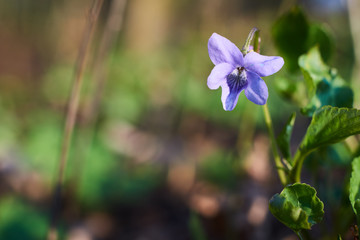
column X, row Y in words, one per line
column 279, row 166
column 71, row 115
column 299, row 235
column 295, row 174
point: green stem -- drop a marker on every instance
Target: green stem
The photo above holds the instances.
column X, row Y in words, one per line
column 299, row 235
column 295, row 174
column 254, row 34
column 279, row 166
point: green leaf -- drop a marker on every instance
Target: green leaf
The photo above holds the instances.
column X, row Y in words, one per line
column 324, row 85
column 219, row 169
column 330, row 156
column 297, row 206
column 290, row 34
column 196, row 228
column 354, row 189
column 309, row 84
column 283, row 140
column 321, row 36
column 330, row 125
column 14, row 224
column 293, row 35
column 313, row 64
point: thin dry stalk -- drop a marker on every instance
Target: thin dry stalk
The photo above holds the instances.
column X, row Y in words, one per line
column 72, row 113
column 110, row 33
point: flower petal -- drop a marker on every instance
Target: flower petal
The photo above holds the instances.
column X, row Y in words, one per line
column 231, row 100
column 222, row 50
column 218, row 75
column 231, row 90
column 263, row 65
column 256, row 90
column 224, row 94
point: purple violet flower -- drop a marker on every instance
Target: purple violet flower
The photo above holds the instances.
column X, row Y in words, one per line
column 234, row 72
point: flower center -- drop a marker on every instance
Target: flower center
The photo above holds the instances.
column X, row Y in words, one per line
column 237, row 79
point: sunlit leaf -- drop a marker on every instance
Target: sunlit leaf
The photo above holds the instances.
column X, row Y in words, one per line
column 297, row 206
column 330, row 125
column 324, row 85
column 312, row 63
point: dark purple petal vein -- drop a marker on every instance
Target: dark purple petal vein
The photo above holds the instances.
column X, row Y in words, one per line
column 236, row 82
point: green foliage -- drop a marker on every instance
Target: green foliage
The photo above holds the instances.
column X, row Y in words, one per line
column 297, row 206
column 127, row 93
column 354, row 188
column 324, row 85
column 312, row 63
column 283, row 140
column 196, row 228
column 107, row 178
column 290, row 33
column 57, row 83
column 330, row 125
column 219, row 169
column 21, row 221
column 8, row 129
column 42, row 142
column 141, row 86
column 294, row 35
column 319, row 35
column 335, row 155
column 292, row 89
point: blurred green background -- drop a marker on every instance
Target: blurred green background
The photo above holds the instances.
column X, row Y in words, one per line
column 156, row 157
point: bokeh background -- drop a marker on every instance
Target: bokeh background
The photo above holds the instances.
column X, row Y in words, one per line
column 154, row 155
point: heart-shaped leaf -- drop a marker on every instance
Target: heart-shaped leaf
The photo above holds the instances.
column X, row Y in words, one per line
column 330, row 125
column 290, row 33
column 321, row 36
column 293, row 35
column 297, row 206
